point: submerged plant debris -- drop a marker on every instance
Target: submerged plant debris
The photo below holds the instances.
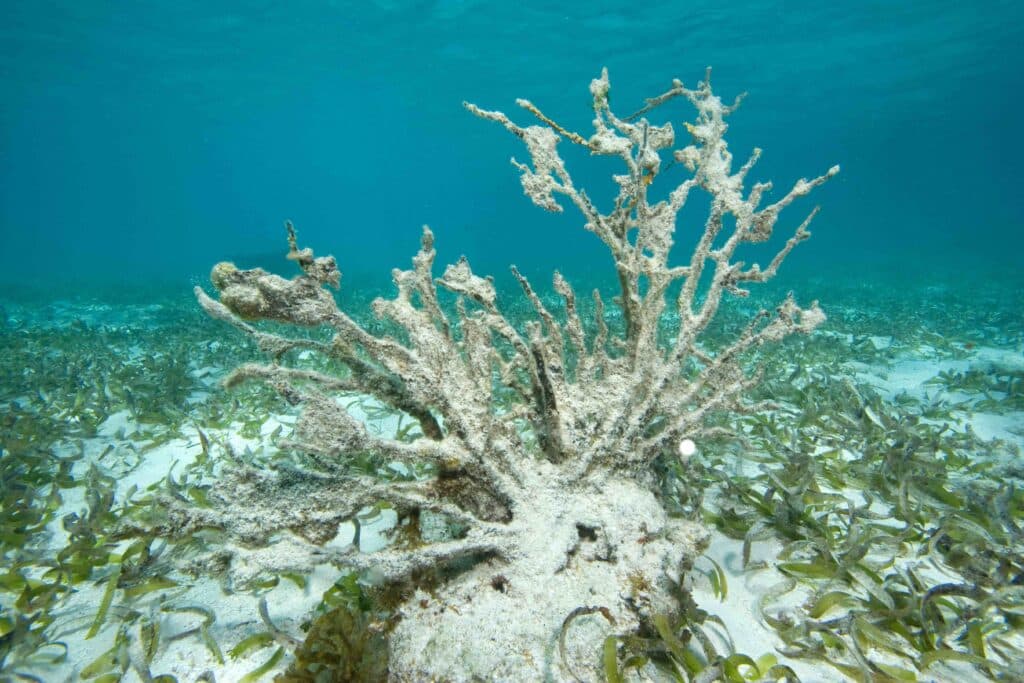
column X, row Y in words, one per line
column 880, row 503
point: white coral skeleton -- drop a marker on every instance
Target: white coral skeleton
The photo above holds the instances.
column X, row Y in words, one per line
column 539, row 438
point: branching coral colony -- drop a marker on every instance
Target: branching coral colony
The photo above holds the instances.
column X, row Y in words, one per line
column 540, row 439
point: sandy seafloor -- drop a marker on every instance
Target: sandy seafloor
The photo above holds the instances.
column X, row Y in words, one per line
column 905, row 364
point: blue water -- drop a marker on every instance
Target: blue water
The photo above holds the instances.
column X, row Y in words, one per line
column 142, row 142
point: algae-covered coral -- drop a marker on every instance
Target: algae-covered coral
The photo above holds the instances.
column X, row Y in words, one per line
column 539, row 438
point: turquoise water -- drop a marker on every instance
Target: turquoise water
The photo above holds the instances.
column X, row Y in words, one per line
column 864, row 523
column 145, row 142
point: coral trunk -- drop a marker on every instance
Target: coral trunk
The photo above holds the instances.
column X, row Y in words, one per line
column 609, row 547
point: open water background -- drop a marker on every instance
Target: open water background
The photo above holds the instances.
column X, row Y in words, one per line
column 142, row 142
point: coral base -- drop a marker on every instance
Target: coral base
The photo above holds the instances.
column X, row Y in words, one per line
column 614, row 548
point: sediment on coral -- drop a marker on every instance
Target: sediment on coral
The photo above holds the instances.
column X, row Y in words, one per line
column 524, row 432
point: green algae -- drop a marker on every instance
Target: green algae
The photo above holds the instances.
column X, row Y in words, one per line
column 346, row 639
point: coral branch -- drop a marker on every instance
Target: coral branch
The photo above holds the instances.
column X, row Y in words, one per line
column 534, row 432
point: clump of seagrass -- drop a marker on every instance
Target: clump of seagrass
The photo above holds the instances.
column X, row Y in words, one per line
column 557, row 489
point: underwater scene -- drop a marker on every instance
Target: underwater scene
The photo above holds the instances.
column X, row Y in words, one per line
column 480, row 341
